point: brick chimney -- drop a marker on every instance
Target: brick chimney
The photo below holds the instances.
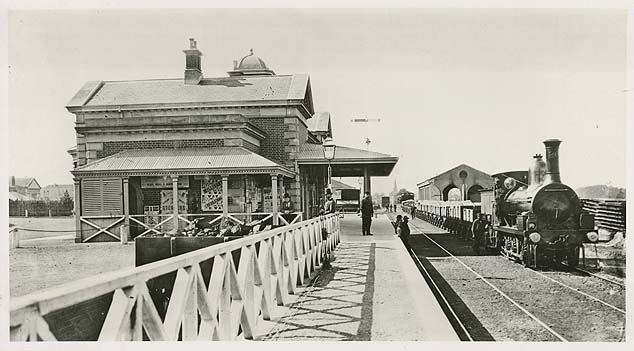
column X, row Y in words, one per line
column 193, row 73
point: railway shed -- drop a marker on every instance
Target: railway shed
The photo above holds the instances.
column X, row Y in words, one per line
column 462, row 182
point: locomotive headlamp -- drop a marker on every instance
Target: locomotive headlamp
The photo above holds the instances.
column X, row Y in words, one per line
column 535, row 237
column 592, row 236
column 531, row 226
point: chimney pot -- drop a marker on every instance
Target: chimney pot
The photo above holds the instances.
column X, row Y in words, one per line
column 192, row 43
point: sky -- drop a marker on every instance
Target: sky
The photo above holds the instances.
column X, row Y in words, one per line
column 477, row 86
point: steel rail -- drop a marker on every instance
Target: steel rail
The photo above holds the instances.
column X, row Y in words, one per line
column 420, row 264
column 600, row 277
column 533, row 317
column 579, row 291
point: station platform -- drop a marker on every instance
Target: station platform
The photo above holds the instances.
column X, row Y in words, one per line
column 373, row 292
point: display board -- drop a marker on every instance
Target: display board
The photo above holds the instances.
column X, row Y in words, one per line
column 211, row 194
column 167, row 207
column 268, row 200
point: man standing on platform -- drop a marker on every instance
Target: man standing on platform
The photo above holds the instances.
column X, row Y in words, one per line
column 329, row 205
column 477, row 228
column 367, row 211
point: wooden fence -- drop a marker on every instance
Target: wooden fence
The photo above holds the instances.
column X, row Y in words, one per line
column 39, row 208
column 271, row 265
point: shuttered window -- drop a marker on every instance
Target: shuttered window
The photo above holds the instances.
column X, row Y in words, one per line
column 101, row 197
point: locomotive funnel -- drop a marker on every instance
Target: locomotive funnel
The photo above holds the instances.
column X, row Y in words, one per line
column 552, row 161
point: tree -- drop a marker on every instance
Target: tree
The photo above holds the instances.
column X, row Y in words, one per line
column 404, row 195
column 66, row 201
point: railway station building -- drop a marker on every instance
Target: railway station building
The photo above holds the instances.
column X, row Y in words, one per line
column 462, row 182
column 154, row 154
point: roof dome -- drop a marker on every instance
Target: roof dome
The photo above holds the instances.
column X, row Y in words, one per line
column 250, row 65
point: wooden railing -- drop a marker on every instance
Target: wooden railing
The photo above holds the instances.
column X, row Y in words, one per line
column 187, row 218
column 105, row 228
column 271, row 265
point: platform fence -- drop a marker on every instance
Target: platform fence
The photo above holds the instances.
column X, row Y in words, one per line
column 226, row 305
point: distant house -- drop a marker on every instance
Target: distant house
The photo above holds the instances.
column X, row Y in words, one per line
column 55, row 192
column 27, row 187
column 14, row 196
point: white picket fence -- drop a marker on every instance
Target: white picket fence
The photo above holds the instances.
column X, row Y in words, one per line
column 230, row 307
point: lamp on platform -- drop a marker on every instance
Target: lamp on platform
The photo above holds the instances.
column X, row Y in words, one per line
column 329, row 154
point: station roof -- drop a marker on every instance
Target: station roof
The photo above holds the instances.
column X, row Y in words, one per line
column 175, row 91
column 216, row 160
column 348, row 161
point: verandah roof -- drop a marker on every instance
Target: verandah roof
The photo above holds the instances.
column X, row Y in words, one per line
column 216, row 160
column 348, row 161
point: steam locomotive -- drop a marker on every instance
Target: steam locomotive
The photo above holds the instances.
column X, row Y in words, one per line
column 540, row 221
column 533, row 217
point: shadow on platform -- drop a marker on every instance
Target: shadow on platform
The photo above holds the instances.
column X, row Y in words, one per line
column 337, row 305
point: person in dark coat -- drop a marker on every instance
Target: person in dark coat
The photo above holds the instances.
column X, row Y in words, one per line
column 287, row 208
column 367, row 211
column 329, row 204
column 399, row 220
column 403, row 231
column 477, row 228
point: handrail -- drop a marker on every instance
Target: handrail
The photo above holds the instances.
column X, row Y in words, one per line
column 286, row 254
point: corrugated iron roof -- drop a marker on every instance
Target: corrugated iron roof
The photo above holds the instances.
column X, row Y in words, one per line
column 210, row 90
column 342, row 153
column 215, row 158
column 319, row 122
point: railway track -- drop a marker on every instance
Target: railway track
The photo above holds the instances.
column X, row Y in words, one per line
column 545, row 318
column 600, row 277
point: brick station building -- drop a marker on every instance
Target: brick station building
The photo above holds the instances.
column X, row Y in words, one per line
column 225, row 147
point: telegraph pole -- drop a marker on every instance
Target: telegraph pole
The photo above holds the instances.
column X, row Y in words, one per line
column 365, row 120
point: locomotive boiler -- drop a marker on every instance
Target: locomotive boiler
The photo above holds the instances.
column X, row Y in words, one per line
column 538, row 219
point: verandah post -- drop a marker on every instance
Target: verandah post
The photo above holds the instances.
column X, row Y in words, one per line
column 225, row 196
column 274, row 198
column 125, row 231
column 77, row 209
column 175, row 202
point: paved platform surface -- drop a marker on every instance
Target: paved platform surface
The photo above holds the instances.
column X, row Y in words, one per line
column 372, row 292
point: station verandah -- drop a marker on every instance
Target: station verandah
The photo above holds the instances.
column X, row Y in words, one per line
column 132, row 193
